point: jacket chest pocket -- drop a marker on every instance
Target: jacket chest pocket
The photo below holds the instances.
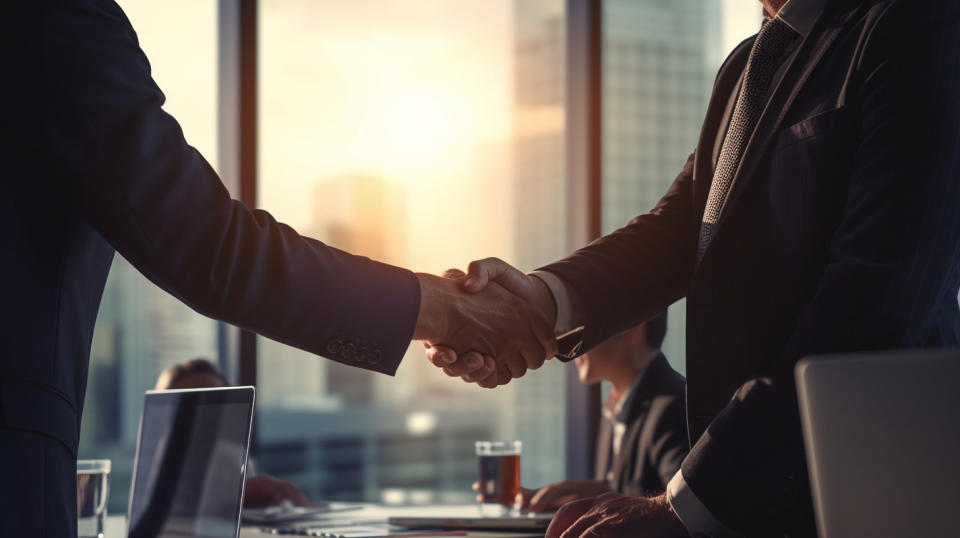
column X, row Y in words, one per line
column 810, row 166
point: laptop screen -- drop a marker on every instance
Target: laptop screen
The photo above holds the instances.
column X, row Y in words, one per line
column 189, row 469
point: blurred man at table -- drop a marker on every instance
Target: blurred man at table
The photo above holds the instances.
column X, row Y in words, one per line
column 261, row 489
column 643, row 435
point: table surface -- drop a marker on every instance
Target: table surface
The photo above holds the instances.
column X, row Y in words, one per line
column 367, row 514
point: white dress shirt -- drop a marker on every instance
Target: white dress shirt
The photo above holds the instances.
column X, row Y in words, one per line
column 800, row 15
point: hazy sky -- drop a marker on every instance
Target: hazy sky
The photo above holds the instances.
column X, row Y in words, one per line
column 417, row 92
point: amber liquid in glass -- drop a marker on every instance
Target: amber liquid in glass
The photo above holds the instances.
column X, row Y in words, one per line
column 499, row 478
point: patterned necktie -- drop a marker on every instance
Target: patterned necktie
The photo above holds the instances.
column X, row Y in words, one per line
column 765, row 57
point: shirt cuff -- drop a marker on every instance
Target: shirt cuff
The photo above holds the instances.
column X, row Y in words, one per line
column 692, row 513
column 569, row 312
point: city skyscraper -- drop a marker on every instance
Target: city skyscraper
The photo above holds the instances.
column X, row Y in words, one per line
column 659, row 58
column 536, row 412
column 659, row 62
column 141, row 330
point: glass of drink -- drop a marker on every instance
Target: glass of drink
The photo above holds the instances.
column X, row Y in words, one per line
column 93, row 488
column 499, row 473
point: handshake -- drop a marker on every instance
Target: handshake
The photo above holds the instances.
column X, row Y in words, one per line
column 487, row 326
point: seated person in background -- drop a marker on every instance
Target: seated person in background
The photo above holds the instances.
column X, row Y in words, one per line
column 643, row 433
column 261, row 489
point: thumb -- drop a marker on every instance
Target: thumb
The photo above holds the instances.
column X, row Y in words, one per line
column 481, row 272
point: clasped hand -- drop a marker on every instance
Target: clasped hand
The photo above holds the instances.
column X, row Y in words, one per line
column 487, row 326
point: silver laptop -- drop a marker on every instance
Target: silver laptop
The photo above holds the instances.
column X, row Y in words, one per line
column 191, row 460
column 882, row 433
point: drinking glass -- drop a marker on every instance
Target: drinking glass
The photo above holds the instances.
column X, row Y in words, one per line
column 499, row 476
column 93, row 488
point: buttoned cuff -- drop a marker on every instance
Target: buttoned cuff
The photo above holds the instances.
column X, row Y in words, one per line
column 692, row 513
column 569, row 311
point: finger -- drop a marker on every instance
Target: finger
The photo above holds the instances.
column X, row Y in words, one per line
column 503, row 373
column 299, row 497
column 490, row 381
column 541, row 502
column 532, row 353
column 454, row 274
column 523, row 497
column 441, row 356
column 567, row 515
column 580, row 526
column 489, row 367
column 598, row 530
column 516, row 364
column 480, row 272
column 465, row 364
column 475, row 486
column 294, row 495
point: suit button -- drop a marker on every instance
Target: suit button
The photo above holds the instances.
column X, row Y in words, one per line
column 374, row 356
column 363, row 354
column 348, row 351
column 333, row 346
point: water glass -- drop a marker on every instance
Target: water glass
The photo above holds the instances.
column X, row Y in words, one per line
column 93, row 488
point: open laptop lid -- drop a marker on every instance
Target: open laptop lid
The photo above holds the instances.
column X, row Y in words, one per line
column 882, row 433
column 190, row 464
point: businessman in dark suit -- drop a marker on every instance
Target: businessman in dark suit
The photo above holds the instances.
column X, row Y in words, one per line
column 90, row 164
column 817, row 214
column 643, row 433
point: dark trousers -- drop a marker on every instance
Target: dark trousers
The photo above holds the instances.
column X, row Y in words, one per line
column 38, row 481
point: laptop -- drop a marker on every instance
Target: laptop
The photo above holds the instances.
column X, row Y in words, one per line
column 882, row 434
column 467, row 517
column 190, row 464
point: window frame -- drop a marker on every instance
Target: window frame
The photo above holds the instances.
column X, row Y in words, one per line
column 237, row 141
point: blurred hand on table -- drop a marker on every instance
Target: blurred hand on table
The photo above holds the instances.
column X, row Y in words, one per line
column 612, row 515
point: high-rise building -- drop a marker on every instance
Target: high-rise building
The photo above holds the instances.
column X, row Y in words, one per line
column 535, row 412
column 659, row 62
column 141, row 330
column 659, row 58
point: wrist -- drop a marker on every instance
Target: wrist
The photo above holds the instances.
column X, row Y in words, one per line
column 677, row 526
column 544, row 301
column 431, row 318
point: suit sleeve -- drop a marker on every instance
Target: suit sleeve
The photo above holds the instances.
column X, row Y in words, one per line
column 670, row 440
column 630, row 275
column 892, row 271
column 106, row 140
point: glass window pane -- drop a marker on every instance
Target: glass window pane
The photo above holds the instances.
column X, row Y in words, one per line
column 141, row 330
column 424, row 134
column 660, row 60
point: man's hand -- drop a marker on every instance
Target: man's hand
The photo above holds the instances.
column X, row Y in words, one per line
column 481, row 272
column 553, row 496
column 266, row 490
column 613, row 515
column 480, row 328
column 474, row 367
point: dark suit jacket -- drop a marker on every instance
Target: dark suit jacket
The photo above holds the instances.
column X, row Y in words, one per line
column 655, row 440
column 90, row 163
column 841, row 233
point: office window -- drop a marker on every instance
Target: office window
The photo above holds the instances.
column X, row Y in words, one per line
column 141, row 330
column 660, row 60
column 424, row 134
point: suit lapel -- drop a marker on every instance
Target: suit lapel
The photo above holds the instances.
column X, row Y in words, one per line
column 809, row 53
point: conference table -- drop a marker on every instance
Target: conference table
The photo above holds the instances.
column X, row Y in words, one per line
column 361, row 516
